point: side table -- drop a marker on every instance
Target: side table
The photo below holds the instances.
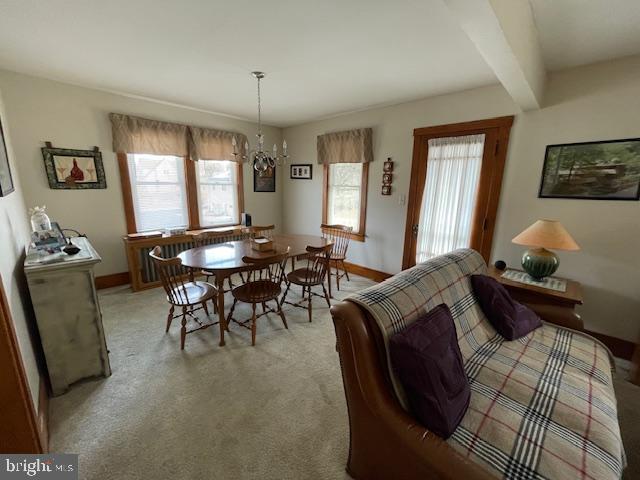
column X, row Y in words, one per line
column 553, row 306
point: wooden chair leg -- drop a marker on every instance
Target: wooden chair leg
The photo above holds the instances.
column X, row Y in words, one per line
column 326, row 295
column 264, row 307
column 281, row 313
column 205, row 308
column 183, row 330
column 286, row 290
column 309, row 302
column 169, row 318
column 230, row 316
column 253, row 325
column 344, row 267
column 337, row 277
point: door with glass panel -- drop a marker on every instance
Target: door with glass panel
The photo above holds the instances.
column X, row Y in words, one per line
column 456, row 176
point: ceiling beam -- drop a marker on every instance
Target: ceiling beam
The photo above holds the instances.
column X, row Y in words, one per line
column 505, row 34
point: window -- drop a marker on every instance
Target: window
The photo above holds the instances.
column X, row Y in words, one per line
column 158, row 191
column 346, row 196
column 217, row 192
column 165, row 191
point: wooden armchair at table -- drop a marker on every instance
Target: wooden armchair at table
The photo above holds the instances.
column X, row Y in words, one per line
column 207, row 238
column 340, row 236
column 190, row 296
column 260, row 231
column 312, row 275
column 264, row 284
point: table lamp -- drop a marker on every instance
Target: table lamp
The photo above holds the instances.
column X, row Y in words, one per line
column 538, row 261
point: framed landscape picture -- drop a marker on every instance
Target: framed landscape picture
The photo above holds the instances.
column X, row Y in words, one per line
column 6, row 182
column 74, row 169
column 605, row 170
column 264, row 181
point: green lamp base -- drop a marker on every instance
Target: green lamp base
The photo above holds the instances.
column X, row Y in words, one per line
column 540, row 263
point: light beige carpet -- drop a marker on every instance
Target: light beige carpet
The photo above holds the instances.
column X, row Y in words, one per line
column 273, row 411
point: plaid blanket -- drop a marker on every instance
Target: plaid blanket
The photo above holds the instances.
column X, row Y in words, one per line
column 542, row 406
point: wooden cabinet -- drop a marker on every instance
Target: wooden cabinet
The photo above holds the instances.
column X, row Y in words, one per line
column 68, row 316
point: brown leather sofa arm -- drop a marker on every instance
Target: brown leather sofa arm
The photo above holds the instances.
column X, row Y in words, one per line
column 385, row 442
column 565, row 317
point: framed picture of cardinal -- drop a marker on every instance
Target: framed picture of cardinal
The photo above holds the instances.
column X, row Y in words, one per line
column 74, row 169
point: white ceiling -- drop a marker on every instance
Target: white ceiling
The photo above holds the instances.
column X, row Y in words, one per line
column 579, row 32
column 322, row 57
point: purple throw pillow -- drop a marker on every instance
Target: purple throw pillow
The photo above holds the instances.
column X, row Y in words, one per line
column 426, row 358
column 511, row 319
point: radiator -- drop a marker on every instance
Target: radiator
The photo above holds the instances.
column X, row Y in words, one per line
column 148, row 275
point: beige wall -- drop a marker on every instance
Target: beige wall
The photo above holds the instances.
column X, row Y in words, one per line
column 590, row 103
column 74, row 117
column 14, row 235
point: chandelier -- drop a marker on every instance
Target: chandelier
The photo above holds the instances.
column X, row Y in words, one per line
column 261, row 158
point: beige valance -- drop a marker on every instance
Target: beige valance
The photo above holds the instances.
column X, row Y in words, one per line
column 141, row 135
column 350, row 146
column 211, row 144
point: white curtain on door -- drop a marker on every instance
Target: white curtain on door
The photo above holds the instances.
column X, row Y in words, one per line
column 449, row 197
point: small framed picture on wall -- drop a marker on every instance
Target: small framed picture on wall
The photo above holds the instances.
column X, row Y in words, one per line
column 301, row 171
column 264, row 181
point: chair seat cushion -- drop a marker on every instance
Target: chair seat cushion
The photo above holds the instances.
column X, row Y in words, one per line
column 257, row 291
column 511, row 319
column 303, row 276
column 193, row 293
column 426, row 357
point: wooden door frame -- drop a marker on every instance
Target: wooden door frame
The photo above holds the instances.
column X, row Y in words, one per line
column 19, row 432
column 420, row 135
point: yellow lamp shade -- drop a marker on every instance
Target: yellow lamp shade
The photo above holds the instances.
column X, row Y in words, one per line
column 547, row 234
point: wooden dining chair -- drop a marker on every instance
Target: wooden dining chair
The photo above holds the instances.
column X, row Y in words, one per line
column 263, row 285
column 260, row 231
column 209, row 237
column 311, row 275
column 189, row 296
column 340, row 235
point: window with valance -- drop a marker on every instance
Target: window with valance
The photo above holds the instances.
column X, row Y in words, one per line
column 345, row 157
column 176, row 175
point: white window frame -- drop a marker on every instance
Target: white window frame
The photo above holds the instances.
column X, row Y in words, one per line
column 134, row 183
column 234, row 183
column 358, row 233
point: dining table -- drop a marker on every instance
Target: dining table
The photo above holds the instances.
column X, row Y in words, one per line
column 225, row 259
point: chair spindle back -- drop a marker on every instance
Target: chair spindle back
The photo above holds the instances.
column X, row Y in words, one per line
column 340, row 236
column 172, row 275
column 209, row 237
column 267, row 269
column 260, row 231
column 317, row 264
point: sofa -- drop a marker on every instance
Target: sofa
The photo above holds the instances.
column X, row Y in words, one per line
column 541, row 407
